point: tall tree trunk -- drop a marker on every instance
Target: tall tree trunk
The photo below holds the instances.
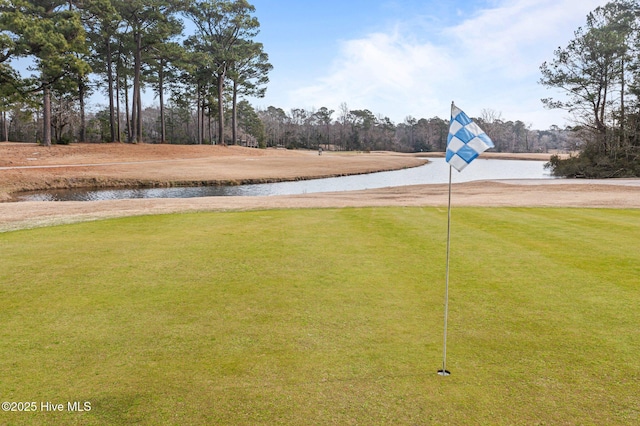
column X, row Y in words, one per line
column 210, row 131
column 118, row 114
column 46, row 116
column 204, row 116
column 221, row 76
column 139, row 127
column 112, row 117
column 137, row 68
column 5, row 126
column 199, row 123
column 163, row 133
column 57, row 124
column 602, row 118
column 118, row 102
column 623, row 135
column 126, row 109
column 205, row 120
column 234, row 115
column 133, row 122
column 138, row 71
column 83, row 122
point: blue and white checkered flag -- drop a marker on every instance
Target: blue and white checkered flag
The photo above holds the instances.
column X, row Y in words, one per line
column 466, row 140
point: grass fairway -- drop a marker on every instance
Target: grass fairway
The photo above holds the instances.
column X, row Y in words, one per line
column 325, row 317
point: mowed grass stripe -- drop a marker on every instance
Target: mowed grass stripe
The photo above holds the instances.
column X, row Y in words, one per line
column 325, row 316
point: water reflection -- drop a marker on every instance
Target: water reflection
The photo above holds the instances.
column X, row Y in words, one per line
column 437, row 171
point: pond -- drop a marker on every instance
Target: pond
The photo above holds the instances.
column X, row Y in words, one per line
column 435, row 172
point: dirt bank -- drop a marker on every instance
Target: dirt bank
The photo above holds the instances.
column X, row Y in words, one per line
column 30, row 167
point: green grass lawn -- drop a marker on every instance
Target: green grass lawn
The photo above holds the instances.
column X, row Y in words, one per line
column 325, row 317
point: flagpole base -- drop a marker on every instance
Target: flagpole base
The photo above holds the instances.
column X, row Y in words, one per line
column 444, row 372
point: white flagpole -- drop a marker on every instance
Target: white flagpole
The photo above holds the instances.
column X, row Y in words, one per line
column 444, row 371
column 481, row 143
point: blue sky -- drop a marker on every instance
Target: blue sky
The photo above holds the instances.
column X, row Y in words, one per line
column 402, row 58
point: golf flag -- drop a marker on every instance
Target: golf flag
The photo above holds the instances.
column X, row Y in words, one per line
column 466, row 140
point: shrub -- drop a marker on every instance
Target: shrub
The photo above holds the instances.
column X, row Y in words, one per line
column 594, row 165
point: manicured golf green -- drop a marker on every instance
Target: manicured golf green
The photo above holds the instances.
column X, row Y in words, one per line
column 329, row 316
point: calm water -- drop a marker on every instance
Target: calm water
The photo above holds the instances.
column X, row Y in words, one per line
column 437, row 171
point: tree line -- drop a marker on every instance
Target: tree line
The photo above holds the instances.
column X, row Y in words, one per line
column 358, row 130
column 127, row 46
column 362, row 130
column 598, row 73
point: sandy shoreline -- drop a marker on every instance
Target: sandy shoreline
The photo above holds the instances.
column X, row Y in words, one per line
column 105, row 164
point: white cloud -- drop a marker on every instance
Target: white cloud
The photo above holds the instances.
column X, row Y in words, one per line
column 515, row 37
column 489, row 60
column 382, row 70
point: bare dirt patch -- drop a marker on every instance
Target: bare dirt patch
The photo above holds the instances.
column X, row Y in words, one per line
column 28, row 166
